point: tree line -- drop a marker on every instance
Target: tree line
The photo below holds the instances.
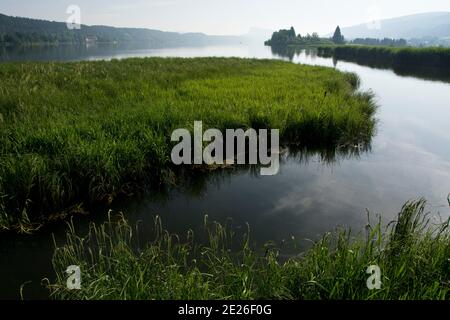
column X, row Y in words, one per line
column 25, row 31
column 287, row 37
column 380, row 42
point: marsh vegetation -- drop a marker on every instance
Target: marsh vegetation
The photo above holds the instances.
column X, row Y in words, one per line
column 390, row 56
column 73, row 134
column 412, row 254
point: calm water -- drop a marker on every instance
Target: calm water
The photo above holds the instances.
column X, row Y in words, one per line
column 409, row 158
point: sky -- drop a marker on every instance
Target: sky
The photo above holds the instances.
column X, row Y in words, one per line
column 224, row 17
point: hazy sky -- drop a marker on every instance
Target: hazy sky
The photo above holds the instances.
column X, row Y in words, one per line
column 223, row 16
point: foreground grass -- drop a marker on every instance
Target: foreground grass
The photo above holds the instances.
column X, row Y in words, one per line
column 413, row 258
column 394, row 57
column 73, row 133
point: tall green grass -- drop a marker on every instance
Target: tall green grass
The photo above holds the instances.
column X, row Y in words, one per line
column 413, row 257
column 82, row 132
column 395, row 57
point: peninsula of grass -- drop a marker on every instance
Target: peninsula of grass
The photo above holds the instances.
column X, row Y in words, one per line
column 82, row 132
column 390, row 56
column 412, row 255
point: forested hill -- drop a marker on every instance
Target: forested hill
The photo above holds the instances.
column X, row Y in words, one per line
column 16, row 30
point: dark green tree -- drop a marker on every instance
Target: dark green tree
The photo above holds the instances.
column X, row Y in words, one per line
column 338, row 38
column 292, row 33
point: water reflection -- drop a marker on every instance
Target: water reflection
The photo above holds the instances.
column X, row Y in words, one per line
column 236, row 192
column 125, row 50
column 195, row 182
column 73, row 52
column 290, row 53
column 428, row 73
column 294, row 53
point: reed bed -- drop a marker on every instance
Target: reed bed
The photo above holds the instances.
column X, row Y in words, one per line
column 72, row 134
column 395, row 57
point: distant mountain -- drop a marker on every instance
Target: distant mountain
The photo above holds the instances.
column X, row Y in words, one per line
column 17, row 30
column 424, row 25
column 257, row 35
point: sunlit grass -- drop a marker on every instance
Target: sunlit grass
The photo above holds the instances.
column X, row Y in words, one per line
column 83, row 132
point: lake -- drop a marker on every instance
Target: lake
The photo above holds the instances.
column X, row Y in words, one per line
column 409, row 158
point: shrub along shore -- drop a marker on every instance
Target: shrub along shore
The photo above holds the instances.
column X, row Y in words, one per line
column 412, row 255
column 389, row 56
column 72, row 134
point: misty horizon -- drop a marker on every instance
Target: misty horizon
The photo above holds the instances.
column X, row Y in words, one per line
column 228, row 20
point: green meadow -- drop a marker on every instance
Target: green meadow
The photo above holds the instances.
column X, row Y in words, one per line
column 74, row 134
column 411, row 253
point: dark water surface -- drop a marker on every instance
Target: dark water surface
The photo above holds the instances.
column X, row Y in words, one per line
column 409, row 158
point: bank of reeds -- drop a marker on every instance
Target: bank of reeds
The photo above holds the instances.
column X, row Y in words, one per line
column 390, row 56
column 83, row 132
column 412, row 254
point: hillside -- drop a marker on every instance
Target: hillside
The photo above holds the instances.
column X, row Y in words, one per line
column 16, row 30
column 434, row 25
